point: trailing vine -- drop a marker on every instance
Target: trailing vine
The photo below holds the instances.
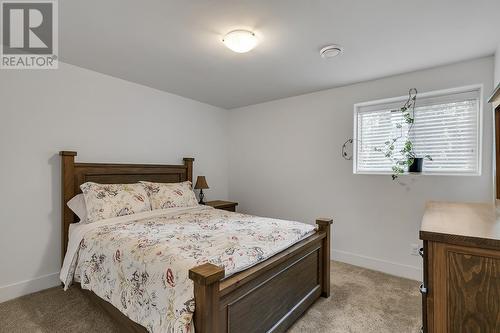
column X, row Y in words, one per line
column 407, row 157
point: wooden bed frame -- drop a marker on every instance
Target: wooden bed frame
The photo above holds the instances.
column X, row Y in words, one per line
column 268, row 297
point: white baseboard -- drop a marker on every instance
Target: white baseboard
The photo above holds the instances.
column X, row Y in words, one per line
column 21, row 288
column 18, row 289
column 406, row 271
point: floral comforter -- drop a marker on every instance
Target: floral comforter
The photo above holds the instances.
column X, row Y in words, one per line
column 140, row 263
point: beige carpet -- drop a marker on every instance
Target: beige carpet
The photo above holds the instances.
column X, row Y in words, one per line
column 362, row 301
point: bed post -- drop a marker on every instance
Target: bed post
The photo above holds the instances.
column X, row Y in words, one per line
column 206, row 280
column 188, row 162
column 67, row 192
column 324, row 225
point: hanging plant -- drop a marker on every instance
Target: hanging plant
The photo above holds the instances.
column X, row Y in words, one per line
column 407, row 157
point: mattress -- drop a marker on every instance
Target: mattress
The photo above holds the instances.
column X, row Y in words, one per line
column 139, row 263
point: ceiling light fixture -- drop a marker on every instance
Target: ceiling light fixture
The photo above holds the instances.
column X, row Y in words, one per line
column 240, row 41
column 331, row 51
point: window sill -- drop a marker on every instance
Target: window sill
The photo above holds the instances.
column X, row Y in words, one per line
column 417, row 174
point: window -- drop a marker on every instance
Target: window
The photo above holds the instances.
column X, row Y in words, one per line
column 447, row 127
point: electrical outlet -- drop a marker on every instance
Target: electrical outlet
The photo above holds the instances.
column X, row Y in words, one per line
column 414, row 249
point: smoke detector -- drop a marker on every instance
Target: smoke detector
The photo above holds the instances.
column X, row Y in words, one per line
column 331, row 51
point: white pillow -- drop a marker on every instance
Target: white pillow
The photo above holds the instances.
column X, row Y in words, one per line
column 77, row 205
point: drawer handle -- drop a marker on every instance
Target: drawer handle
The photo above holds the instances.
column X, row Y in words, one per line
column 423, row 289
column 421, row 252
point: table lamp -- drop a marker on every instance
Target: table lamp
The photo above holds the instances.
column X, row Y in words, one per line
column 201, row 184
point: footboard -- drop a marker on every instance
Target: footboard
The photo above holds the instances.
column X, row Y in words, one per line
column 268, row 297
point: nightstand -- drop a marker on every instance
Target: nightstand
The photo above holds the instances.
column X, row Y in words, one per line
column 225, row 205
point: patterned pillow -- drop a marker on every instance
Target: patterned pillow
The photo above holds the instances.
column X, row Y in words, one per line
column 168, row 195
column 105, row 201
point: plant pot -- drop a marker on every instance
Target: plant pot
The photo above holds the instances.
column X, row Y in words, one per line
column 416, row 166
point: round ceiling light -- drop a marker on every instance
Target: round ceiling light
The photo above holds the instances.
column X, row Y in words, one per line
column 240, row 41
column 331, row 51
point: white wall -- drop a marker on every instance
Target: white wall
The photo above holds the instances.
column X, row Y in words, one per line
column 497, row 65
column 106, row 120
column 285, row 162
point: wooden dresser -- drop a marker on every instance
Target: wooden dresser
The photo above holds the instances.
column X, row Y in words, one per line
column 461, row 255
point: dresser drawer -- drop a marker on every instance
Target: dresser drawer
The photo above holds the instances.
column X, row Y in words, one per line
column 460, row 283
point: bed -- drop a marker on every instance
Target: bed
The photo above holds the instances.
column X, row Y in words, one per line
column 266, row 297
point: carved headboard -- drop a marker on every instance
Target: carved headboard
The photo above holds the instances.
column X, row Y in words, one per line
column 75, row 174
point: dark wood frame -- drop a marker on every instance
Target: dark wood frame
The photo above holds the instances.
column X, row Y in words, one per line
column 497, row 151
column 269, row 296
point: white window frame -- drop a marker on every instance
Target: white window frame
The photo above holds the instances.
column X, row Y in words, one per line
column 402, row 99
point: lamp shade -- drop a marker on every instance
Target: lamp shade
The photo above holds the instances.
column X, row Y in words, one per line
column 201, row 183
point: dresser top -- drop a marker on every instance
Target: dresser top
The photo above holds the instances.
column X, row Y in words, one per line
column 469, row 224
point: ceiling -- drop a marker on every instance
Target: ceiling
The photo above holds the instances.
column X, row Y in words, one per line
column 176, row 46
